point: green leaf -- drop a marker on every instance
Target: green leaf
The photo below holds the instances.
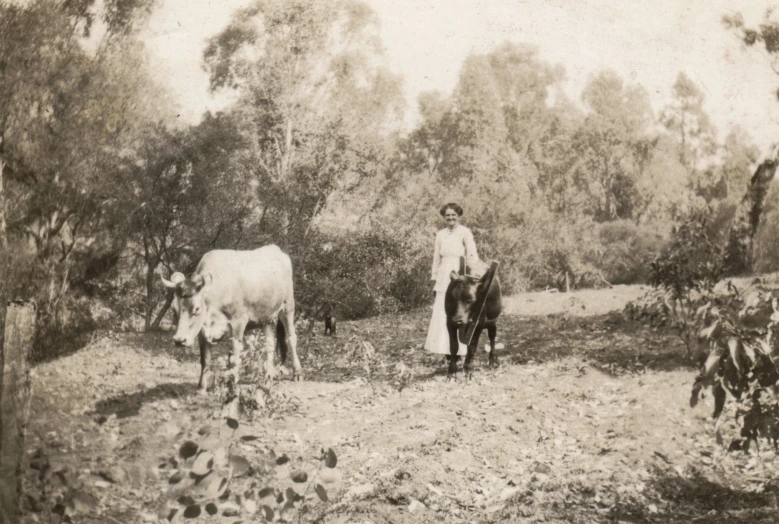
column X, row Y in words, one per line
column 711, row 331
column 192, row 512
column 719, row 399
column 176, row 478
column 330, row 458
column 211, row 508
column 291, row 494
column 299, row 476
column 232, row 423
column 321, row 492
column 267, row 512
column 265, row 492
column 239, row 464
column 736, row 349
column 188, row 449
column 282, row 460
column 203, row 463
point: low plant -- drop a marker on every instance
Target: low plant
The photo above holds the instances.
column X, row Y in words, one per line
column 741, row 334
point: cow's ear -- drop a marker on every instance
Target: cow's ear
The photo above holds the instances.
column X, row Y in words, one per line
column 207, row 279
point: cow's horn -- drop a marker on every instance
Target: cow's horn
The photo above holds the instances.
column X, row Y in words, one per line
column 175, row 279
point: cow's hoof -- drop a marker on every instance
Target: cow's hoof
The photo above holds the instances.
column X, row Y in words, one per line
column 297, row 377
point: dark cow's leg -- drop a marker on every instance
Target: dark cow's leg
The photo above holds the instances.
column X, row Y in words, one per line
column 287, row 319
column 451, row 327
column 472, row 350
column 492, row 330
column 206, row 373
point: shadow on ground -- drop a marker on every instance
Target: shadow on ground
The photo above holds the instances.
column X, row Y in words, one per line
column 609, row 342
column 667, row 498
column 130, row 404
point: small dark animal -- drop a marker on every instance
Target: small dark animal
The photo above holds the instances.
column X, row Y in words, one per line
column 465, row 302
column 330, row 322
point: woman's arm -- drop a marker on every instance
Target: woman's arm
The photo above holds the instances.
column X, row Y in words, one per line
column 436, row 257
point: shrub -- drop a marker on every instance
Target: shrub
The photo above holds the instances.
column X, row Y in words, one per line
column 362, row 274
column 693, row 260
column 741, row 334
column 625, row 251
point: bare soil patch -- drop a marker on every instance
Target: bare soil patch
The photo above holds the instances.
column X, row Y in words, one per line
column 587, row 420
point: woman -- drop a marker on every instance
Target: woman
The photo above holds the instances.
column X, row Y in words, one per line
column 451, row 243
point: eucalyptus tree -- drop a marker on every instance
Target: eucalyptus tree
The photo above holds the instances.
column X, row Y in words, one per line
column 75, row 96
column 314, row 103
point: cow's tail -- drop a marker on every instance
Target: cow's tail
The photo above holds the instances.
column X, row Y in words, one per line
column 281, row 340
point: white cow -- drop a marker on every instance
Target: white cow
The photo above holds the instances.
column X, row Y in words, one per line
column 232, row 289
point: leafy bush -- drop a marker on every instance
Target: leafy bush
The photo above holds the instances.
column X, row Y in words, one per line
column 693, row 260
column 218, row 470
column 741, row 334
column 362, row 274
column 624, row 251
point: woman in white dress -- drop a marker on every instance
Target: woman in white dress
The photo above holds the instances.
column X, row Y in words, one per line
column 451, row 243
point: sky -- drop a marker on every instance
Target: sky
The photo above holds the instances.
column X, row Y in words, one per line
column 647, row 42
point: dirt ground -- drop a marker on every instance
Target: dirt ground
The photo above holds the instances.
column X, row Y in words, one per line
column 586, row 420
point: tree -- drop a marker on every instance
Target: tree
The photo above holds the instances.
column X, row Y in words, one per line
column 766, row 35
column 614, row 145
column 190, row 197
column 313, row 102
column 70, row 116
column 739, row 250
column 686, row 119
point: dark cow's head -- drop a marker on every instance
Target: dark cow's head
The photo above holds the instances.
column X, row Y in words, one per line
column 463, row 292
column 190, row 304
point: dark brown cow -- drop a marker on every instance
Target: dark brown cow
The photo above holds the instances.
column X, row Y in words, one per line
column 465, row 303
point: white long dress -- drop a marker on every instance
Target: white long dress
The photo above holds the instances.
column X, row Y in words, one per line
column 450, row 245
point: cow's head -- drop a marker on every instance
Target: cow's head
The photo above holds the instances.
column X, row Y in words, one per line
column 463, row 292
column 189, row 301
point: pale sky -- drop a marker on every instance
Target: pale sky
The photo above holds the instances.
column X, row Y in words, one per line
column 647, row 42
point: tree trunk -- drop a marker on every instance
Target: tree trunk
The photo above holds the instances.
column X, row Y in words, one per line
column 161, row 314
column 150, row 267
column 3, row 233
column 738, row 257
column 15, row 395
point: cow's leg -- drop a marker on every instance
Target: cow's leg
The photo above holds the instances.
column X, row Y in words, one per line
column 237, row 328
column 492, row 330
column 287, row 319
column 451, row 327
column 269, row 329
column 206, row 373
column 472, row 351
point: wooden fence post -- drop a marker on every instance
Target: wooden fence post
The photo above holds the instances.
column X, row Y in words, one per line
column 15, row 390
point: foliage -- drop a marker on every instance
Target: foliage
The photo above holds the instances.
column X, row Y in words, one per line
column 625, row 249
column 362, row 274
column 313, row 104
column 740, row 331
column 217, row 469
column 692, row 261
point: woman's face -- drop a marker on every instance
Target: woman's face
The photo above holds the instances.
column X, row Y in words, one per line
column 451, row 218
